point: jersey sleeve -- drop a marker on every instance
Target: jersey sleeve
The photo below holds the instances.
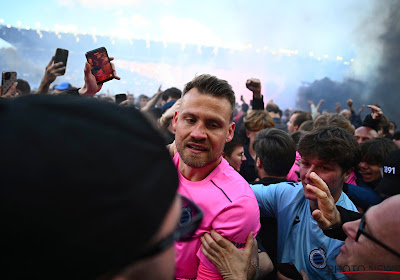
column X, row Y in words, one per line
column 266, row 199
column 235, row 222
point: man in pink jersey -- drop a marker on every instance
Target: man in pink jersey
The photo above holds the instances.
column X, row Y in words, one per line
column 203, row 125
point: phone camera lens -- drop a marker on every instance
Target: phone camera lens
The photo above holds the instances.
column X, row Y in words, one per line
column 8, row 76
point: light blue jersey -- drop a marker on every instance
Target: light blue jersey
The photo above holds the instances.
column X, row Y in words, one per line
column 300, row 240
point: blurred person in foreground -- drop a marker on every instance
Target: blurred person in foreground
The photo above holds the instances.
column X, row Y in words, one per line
column 72, row 208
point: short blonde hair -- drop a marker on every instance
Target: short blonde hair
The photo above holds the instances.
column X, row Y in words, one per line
column 257, row 120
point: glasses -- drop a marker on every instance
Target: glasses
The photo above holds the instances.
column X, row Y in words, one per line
column 191, row 218
column 362, row 231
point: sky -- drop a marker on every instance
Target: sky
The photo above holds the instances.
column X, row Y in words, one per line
column 322, row 28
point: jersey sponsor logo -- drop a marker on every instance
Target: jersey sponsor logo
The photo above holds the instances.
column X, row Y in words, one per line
column 318, row 258
column 238, row 245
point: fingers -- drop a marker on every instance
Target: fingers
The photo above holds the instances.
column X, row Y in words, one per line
column 50, row 62
column 319, row 182
column 208, row 245
column 87, row 69
column 316, row 191
column 115, row 72
column 304, row 275
column 220, row 240
column 11, row 92
column 249, row 242
column 322, row 222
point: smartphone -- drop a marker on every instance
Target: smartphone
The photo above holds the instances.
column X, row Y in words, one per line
column 8, row 78
column 101, row 65
column 120, row 97
column 289, row 270
column 61, row 56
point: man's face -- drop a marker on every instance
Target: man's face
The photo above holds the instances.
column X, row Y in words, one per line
column 202, row 127
column 382, row 222
column 364, row 133
column 143, row 102
column 291, row 127
column 236, row 158
column 370, row 172
column 329, row 171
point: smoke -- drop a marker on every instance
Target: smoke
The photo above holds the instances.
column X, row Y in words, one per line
column 375, row 76
column 386, row 91
column 332, row 92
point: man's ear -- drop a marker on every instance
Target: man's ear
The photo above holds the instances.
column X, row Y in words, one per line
column 175, row 120
column 348, row 173
column 259, row 163
column 231, row 132
column 247, row 133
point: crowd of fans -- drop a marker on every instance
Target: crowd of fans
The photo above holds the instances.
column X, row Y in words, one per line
column 316, row 179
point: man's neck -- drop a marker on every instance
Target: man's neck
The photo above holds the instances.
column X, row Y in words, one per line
column 197, row 174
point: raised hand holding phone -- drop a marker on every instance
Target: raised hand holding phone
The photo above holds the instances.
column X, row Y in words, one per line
column 8, row 83
column 91, row 87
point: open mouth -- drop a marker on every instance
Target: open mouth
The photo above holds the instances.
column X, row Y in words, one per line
column 196, row 147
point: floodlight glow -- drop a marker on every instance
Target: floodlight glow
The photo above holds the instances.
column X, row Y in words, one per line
column 1, row 20
column 311, row 54
column 339, row 58
column 8, row 25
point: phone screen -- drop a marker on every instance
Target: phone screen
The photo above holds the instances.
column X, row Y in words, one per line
column 101, row 66
column 61, row 56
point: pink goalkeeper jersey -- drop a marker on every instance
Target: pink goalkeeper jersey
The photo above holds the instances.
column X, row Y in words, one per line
column 229, row 206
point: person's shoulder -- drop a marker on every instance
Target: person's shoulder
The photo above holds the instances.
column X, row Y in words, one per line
column 346, row 202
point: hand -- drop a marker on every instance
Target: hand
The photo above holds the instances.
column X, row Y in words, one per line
column 350, row 102
column 11, row 92
column 166, row 118
column 254, row 85
column 231, row 262
column 52, row 71
column 310, row 102
column 326, row 215
column 91, row 87
column 376, row 112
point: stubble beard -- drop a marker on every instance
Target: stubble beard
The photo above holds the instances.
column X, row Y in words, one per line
column 195, row 160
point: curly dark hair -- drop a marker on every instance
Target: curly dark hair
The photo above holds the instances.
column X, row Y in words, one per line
column 331, row 144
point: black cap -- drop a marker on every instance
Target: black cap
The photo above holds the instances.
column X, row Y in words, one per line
column 390, row 183
column 84, row 186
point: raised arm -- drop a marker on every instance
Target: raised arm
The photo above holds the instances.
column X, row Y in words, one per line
column 51, row 72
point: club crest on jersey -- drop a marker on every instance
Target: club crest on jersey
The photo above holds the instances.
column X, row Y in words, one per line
column 318, row 258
